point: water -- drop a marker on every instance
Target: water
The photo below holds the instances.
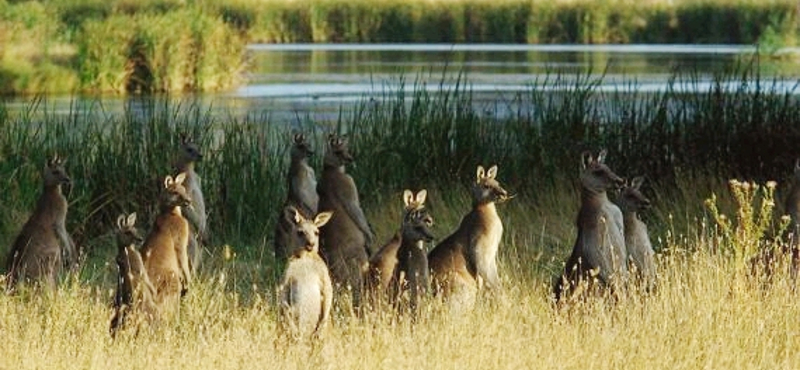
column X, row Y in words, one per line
column 293, row 81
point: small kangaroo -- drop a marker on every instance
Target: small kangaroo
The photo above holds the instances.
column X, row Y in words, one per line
column 346, row 238
column 302, row 185
column 637, row 241
column 44, row 244
column 164, row 251
column 382, row 264
column 411, row 273
column 306, row 293
column 196, row 214
column 600, row 245
column 133, row 300
column 793, row 210
column 465, row 261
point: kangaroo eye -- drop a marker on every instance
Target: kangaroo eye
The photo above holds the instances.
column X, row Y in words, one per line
column 300, row 233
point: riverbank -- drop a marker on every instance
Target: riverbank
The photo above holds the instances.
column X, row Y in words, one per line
column 123, row 46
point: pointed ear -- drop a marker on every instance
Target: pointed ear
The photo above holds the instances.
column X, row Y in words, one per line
column 797, row 164
column 298, row 138
column 168, row 181
column 121, row 221
column 421, row 195
column 637, row 182
column 131, row 220
column 601, row 158
column 480, row 174
column 292, row 215
column 185, row 139
column 586, row 159
column 322, row 219
column 492, row 173
column 408, row 198
column 179, row 179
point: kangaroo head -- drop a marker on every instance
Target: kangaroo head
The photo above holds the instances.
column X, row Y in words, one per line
column 54, row 173
column 175, row 194
column 631, row 198
column 337, row 154
column 596, row 177
column 127, row 233
column 417, row 222
column 190, row 152
column 486, row 188
column 301, row 148
column 305, row 232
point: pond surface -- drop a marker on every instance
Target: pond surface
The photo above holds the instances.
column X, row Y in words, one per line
column 289, row 81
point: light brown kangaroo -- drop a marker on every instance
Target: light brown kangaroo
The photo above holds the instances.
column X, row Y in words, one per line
column 346, row 238
column 196, row 214
column 411, row 277
column 465, row 261
column 637, row 242
column 306, row 293
column 44, row 244
column 302, row 194
column 164, row 251
column 382, row 263
column 133, row 301
column 600, row 246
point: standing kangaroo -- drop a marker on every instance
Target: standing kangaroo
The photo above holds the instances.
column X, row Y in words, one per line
column 133, row 300
column 412, row 273
column 164, row 251
column 637, row 241
column 44, row 244
column 196, row 214
column 600, row 245
column 465, row 261
column 793, row 210
column 302, row 194
column 346, row 238
column 382, row 264
column 306, row 293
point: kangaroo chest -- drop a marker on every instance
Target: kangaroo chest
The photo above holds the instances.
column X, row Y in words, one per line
column 488, row 233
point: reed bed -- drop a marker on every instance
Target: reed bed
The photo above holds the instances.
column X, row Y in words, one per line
column 708, row 311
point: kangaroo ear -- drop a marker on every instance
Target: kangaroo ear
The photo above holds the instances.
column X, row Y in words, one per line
column 168, row 181
column 481, row 173
column 121, row 221
column 797, row 164
column 637, row 182
column 408, row 198
column 292, row 215
column 492, row 173
column 179, row 179
column 601, row 158
column 131, row 220
column 299, row 138
column 586, row 159
column 185, row 139
column 322, row 219
column 421, row 195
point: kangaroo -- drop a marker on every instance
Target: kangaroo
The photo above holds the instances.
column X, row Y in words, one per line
column 164, row 251
column 346, row 238
column 637, row 241
column 793, row 210
column 306, row 293
column 411, row 273
column 382, row 264
column 302, row 185
column 465, row 261
column 600, row 245
column 44, row 244
column 196, row 214
column 133, row 300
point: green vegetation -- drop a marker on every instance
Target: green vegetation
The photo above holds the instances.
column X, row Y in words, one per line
column 124, row 46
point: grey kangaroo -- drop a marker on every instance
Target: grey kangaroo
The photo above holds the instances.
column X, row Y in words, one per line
column 411, row 277
column 196, row 214
column 637, row 241
column 302, row 194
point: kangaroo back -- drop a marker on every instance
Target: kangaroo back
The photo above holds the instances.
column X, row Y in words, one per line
column 44, row 245
column 190, row 155
column 640, row 250
column 411, row 278
column 346, row 238
column 133, row 300
column 306, row 291
column 600, row 245
column 465, row 261
column 165, row 249
column 302, row 193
